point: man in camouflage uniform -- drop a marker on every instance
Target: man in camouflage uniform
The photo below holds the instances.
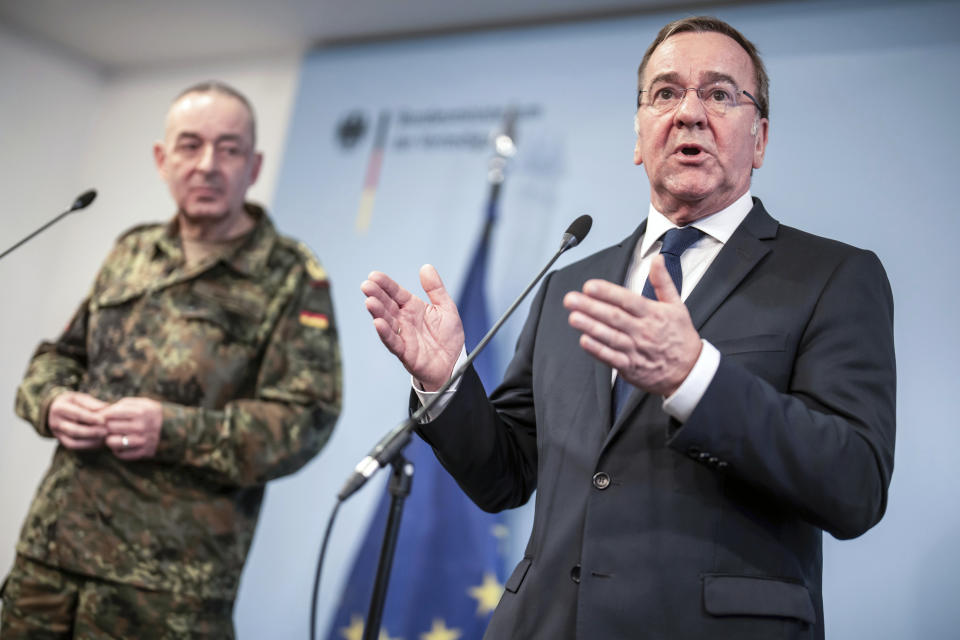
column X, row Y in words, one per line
column 203, row 364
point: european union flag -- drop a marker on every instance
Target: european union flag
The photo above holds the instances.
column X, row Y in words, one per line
column 449, row 567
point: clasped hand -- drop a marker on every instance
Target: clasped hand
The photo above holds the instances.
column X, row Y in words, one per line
column 130, row 427
column 651, row 343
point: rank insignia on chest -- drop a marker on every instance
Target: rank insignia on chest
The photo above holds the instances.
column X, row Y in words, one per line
column 314, row 320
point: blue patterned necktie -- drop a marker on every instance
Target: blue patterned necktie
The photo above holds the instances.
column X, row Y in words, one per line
column 675, row 242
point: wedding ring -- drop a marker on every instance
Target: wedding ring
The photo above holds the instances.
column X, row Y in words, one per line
column 124, row 442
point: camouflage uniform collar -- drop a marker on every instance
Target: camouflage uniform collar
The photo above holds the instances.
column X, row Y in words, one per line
column 247, row 258
column 251, row 256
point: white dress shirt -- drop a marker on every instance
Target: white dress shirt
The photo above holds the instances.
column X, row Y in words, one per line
column 717, row 229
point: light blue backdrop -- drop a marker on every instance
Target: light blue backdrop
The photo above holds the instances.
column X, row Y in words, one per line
column 864, row 136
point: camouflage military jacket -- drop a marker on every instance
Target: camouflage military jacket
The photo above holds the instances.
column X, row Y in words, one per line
column 241, row 351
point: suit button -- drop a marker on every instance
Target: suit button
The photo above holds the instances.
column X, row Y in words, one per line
column 723, row 464
column 713, row 460
column 601, row 480
column 575, row 574
column 693, row 452
column 704, row 456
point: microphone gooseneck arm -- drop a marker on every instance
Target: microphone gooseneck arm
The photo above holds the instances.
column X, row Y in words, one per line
column 82, row 202
column 393, row 443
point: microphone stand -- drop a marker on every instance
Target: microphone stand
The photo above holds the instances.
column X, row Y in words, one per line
column 401, row 481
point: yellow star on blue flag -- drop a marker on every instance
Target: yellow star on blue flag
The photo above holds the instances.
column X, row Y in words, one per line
column 355, row 630
column 487, row 594
column 439, row 631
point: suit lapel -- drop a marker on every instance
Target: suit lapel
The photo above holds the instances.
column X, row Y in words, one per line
column 741, row 253
column 736, row 259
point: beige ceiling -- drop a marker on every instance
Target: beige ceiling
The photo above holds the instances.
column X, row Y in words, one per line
column 124, row 35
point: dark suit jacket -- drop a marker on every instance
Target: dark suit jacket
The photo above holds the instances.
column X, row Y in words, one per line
column 712, row 528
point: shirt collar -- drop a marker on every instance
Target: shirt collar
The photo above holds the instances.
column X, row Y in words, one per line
column 719, row 225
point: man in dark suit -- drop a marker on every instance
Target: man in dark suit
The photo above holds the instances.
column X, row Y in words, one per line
column 694, row 431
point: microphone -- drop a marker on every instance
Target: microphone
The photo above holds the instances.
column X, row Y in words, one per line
column 84, row 199
column 576, row 232
column 393, row 443
column 82, row 202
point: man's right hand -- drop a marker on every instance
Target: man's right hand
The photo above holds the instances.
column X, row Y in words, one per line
column 75, row 421
column 426, row 338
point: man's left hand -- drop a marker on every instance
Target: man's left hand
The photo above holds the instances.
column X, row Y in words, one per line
column 652, row 343
column 134, row 427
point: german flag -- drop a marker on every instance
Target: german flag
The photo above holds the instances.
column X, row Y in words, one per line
column 368, row 195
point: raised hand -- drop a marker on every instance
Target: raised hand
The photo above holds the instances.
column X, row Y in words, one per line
column 426, row 338
column 652, row 343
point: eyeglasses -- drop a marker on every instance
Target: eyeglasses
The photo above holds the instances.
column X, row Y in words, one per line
column 716, row 99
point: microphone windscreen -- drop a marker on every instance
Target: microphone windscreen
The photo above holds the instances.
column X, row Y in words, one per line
column 84, row 199
column 579, row 229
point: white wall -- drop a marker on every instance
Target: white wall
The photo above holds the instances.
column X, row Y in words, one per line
column 65, row 127
column 49, row 105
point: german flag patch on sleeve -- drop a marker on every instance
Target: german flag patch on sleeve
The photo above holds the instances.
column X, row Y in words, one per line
column 314, row 320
